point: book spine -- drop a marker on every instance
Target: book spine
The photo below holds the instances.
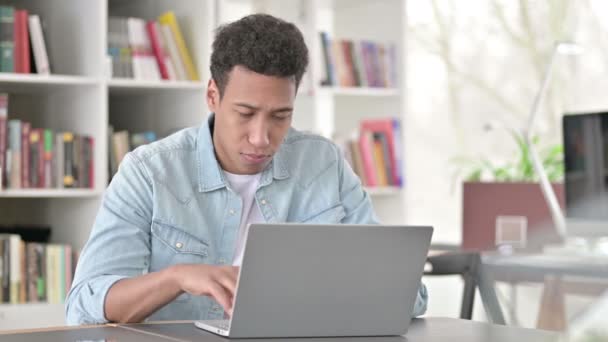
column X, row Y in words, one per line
column 7, row 39
column 91, row 161
column 366, row 148
column 14, row 147
column 59, row 160
column 169, row 19
column 47, row 160
column 22, row 41
column 15, row 268
column 38, row 45
column 157, row 48
column 68, row 161
column 176, row 60
column 6, row 270
column 25, row 154
column 3, row 139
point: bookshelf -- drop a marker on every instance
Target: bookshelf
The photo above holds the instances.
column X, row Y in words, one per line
column 78, row 96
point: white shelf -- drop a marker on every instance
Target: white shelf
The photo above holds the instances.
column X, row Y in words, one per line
column 129, row 86
column 358, row 91
column 31, row 315
column 383, row 190
column 49, row 193
column 33, row 82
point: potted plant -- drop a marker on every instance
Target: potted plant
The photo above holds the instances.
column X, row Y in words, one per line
column 507, row 199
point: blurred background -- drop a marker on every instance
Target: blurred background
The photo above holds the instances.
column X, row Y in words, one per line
column 431, row 102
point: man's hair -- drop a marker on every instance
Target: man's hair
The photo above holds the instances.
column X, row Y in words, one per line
column 261, row 43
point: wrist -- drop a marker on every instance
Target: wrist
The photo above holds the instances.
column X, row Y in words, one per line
column 173, row 278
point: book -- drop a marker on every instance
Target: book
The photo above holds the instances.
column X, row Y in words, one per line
column 6, row 268
column 143, row 61
column 38, row 44
column 37, row 158
column 47, row 159
column 7, row 39
column 330, row 78
column 14, row 157
column 392, row 132
column 176, row 60
column 3, row 139
column 25, row 154
column 162, row 57
column 168, row 18
column 68, row 161
column 366, row 147
column 22, row 42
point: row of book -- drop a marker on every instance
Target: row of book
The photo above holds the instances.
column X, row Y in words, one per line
column 349, row 63
column 33, row 271
column 375, row 154
column 22, row 43
column 149, row 50
column 121, row 142
column 40, row 158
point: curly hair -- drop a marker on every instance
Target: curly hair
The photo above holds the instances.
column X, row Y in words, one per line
column 261, row 43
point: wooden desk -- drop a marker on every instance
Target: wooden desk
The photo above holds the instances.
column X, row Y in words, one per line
column 432, row 329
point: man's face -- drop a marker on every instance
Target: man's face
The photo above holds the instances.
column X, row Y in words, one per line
column 251, row 119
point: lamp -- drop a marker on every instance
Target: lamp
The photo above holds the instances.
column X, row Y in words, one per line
column 565, row 48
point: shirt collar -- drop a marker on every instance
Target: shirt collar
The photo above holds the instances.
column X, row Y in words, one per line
column 210, row 172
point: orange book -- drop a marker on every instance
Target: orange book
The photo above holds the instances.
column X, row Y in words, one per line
column 379, row 164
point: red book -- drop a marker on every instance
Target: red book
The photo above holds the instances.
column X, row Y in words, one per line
column 25, row 154
column 366, row 142
column 157, row 48
column 22, row 43
column 386, row 126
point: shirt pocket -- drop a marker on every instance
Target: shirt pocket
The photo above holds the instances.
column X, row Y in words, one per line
column 172, row 245
column 333, row 214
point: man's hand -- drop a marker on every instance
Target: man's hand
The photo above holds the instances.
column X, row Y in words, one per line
column 218, row 282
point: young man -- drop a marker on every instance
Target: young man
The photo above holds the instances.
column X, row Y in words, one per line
column 168, row 239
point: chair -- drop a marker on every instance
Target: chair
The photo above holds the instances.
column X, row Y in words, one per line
column 452, row 261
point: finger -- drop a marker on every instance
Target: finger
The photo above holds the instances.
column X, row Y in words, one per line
column 229, row 283
column 220, row 294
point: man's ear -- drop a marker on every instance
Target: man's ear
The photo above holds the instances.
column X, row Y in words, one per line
column 213, row 96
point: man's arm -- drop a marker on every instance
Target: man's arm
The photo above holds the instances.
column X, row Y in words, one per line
column 112, row 282
column 359, row 210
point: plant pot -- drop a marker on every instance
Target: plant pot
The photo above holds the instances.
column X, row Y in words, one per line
column 487, row 205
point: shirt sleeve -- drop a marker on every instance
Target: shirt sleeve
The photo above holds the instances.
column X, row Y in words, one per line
column 359, row 210
column 119, row 244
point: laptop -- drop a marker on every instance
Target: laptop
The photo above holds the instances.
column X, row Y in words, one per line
column 301, row 280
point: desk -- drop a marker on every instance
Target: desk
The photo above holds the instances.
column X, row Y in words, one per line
column 427, row 329
column 546, row 268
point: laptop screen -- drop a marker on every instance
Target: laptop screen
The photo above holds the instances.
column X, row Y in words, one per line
column 586, row 165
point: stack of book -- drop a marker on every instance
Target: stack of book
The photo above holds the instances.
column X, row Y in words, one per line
column 34, row 271
column 363, row 63
column 21, row 37
column 40, row 158
column 121, row 142
column 149, row 50
column 375, row 155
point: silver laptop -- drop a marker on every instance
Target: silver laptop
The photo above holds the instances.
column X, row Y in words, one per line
column 326, row 280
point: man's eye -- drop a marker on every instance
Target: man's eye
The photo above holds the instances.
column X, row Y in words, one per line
column 245, row 115
column 282, row 117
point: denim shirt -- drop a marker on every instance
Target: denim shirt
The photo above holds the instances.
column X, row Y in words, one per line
column 169, row 204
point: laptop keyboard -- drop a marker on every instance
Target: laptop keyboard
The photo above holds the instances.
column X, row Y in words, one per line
column 222, row 324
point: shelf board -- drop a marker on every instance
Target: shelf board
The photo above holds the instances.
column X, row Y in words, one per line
column 33, row 82
column 358, row 91
column 383, row 190
column 129, row 86
column 49, row 193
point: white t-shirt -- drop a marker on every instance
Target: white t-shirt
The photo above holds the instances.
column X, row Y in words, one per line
column 245, row 186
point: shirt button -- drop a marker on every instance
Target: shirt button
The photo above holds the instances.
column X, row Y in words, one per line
column 179, row 245
column 232, row 211
column 216, row 307
column 222, row 261
column 264, row 202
